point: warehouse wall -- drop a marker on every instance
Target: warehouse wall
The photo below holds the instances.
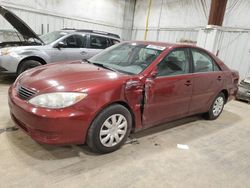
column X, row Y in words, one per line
column 170, row 20
column 232, row 41
column 237, row 14
column 48, row 15
column 184, row 20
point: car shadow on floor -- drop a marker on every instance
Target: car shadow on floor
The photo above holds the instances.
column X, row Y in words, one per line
column 75, row 159
column 193, row 127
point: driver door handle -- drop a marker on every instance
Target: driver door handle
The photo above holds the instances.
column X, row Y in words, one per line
column 83, row 53
column 188, row 83
column 219, row 78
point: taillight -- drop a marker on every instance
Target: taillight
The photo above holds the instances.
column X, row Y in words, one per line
column 235, row 80
column 235, row 77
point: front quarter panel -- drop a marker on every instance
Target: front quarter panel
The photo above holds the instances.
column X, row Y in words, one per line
column 10, row 62
column 37, row 51
column 18, row 54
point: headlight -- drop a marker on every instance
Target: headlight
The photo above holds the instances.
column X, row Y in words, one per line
column 5, row 51
column 57, row 100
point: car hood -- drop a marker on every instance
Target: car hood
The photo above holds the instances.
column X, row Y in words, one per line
column 68, row 76
column 18, row 24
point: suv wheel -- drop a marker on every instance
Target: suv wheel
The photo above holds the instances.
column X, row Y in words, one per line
column 27, row 64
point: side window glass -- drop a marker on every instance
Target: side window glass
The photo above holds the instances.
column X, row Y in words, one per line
column 175, row 63
column 70, row 42
column 98, row 42
column 81, row 41
column 113, row 41
column 203, row 62
column 75, row 41
column 216, row 67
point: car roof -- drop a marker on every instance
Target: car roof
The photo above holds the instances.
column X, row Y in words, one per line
column 175, row 45
column 165, row 44
column 93, row 32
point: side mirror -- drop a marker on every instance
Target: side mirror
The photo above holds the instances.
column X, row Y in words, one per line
column 153, row 74
column 60, row 45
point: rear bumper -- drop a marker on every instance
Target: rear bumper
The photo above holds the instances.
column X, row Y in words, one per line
column 60, row 127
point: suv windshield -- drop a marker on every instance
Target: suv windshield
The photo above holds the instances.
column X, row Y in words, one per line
column 51, row 37
column 130, row 58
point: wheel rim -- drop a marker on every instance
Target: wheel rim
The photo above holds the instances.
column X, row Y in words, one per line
column 113, row 130
column 218, row 106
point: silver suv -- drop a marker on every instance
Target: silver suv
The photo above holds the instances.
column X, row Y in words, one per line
column 63, row 45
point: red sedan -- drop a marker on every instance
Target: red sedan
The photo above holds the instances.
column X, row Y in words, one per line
column 126, row 88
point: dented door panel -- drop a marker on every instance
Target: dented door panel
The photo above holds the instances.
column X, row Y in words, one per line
column 166, row 98
column 134, row 96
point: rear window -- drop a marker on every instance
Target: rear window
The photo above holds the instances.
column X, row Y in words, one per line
column 98, row 42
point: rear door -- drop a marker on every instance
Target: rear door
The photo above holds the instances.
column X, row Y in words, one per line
column 207, row 81
column 168, row 95
column 96, row 44
column 76, row 47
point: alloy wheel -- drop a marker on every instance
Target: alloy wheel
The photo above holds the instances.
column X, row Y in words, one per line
column 218, row 106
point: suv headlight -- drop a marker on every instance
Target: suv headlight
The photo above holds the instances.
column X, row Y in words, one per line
column 57, row 100
column 5, row 51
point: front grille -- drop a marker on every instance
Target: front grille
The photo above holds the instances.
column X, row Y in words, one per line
column 25, row 93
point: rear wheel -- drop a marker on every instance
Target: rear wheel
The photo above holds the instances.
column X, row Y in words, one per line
column 110, row 129
column 216, row 108
column 27, row 64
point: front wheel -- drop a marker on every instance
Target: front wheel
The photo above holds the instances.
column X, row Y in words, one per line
column 110, row 129
column 216, row 108
column 27, row 64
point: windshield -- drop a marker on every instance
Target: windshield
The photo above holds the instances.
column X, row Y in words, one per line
column 53, row 36
column 130, row 58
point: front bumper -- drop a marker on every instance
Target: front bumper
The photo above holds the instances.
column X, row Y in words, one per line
column 61, row 126
column 8, row 64
column 243, row 94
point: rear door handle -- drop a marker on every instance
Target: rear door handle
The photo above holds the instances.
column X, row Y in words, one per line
column 188, row 83
column 219, row 78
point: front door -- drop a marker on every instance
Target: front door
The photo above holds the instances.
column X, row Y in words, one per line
column 168, row 95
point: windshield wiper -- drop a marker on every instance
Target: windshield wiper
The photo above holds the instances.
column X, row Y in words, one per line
column 104, row 66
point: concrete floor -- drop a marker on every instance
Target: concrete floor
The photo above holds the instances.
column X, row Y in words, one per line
column 218, row 155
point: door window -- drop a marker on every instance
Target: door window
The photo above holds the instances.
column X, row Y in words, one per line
column 113, row 41
column 203, row 62
column 75, row 41
column 175, row 63
column 98, row 42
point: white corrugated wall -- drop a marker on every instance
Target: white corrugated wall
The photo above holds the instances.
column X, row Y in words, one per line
column 169, row 21
column 234, row 50
column 49, row 15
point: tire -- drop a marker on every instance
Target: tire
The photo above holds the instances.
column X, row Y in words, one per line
column 104, row 136
column 27, row 64
column 214, row 112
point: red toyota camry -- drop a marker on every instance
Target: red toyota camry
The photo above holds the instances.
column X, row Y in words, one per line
column 126, row 88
